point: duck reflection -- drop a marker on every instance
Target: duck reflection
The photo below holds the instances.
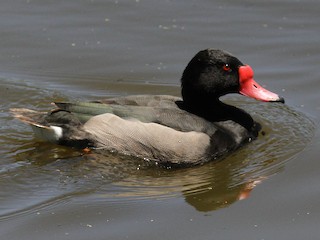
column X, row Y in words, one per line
column 221, row 196
column 207, row 188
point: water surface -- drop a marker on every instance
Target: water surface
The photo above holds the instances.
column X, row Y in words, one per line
column 86, row 50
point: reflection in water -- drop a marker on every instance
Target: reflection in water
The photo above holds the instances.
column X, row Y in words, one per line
column 47, row 173
column 215, row 198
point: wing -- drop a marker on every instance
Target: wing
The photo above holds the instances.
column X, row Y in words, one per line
column 161, row 109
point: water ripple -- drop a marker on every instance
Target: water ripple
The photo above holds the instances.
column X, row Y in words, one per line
column 45, row 173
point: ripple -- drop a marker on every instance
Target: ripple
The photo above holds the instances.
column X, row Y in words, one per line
column 286, row 132
column 46, row 173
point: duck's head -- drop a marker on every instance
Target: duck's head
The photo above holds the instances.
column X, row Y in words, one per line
column 212, row 73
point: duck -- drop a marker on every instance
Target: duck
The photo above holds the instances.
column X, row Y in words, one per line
column 189, row 130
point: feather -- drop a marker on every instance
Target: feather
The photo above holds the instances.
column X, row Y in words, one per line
column 35, row 120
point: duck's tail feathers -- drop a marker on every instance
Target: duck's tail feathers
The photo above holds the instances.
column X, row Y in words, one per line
column 35, row 119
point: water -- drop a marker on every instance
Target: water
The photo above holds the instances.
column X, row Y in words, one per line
column 86, row 50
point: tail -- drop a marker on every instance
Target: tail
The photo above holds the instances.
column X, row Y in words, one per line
column 37, row 121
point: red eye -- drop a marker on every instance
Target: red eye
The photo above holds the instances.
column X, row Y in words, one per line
column 226, row 67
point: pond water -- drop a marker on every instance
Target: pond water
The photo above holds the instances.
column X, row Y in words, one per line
column 93, row 49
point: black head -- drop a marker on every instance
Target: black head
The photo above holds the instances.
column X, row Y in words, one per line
column 210, row 74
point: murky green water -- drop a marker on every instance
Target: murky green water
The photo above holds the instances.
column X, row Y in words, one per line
column 93, row 49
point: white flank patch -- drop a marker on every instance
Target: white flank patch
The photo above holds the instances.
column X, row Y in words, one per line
column 57, row 132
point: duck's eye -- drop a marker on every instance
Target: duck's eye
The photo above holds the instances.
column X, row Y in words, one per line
column 226, row 67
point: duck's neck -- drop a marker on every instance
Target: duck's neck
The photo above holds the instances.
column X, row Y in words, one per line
column 214, row 110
